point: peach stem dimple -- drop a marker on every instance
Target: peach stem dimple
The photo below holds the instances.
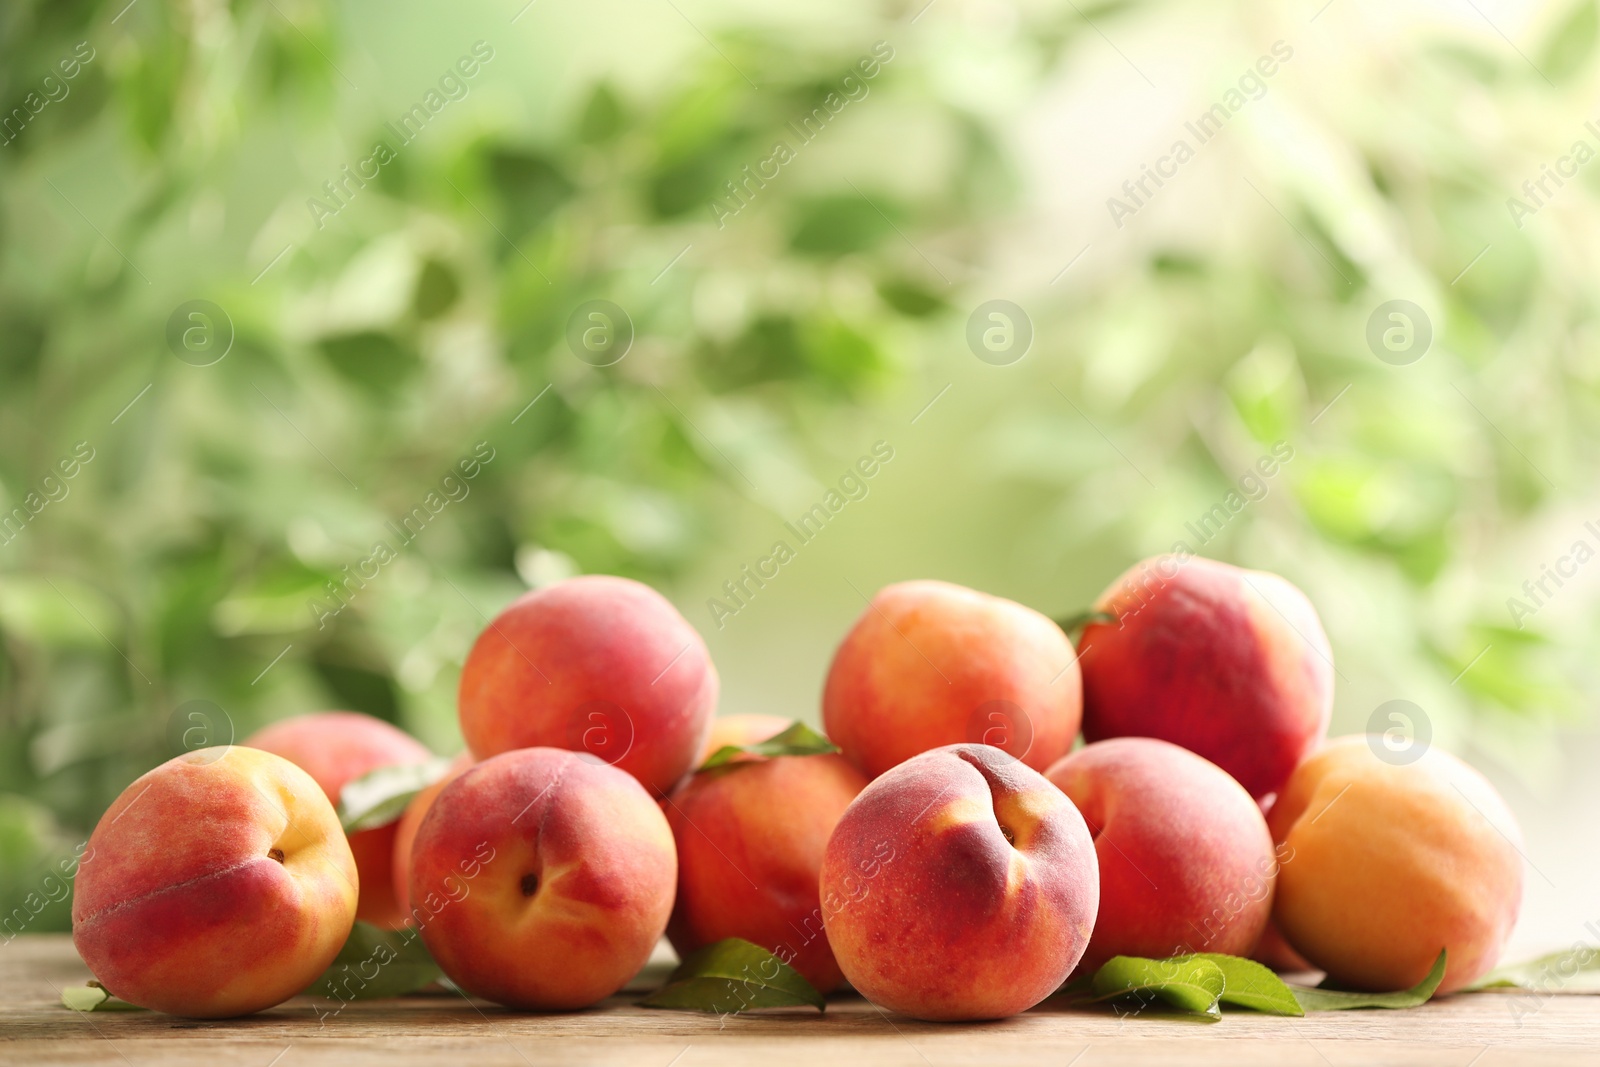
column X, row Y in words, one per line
column 275, row 854
column 530, row 884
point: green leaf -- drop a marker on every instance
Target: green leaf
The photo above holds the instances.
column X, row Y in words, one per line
column 1072, row 623
column 798, row 740
column 1339, row 1000
column 1570, row 46
column 376, row 963
column 379, row 798
column 93, row 997
column 1247, row 984
column 1574, row 970
column 1189, row 983
column 732, row 976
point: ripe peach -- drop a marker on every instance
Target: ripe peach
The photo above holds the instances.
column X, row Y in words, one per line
column 593, row 664
column 1229, row 663
column 217, row 884
column 959, row 885
column 745, row 729
column 931, row 664
column 405, row 831
column 1186, row 862
column 1386, row 864
column 336, row 748
column 750, row 839
column 542, row 879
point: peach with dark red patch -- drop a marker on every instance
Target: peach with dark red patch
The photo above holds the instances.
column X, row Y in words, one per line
column 750, row 838
column 336, row 748
column 1229, row 663
column 217, row 884
column 593, row 664
column 542, row 879
column 959, row 885
column 1186, row 862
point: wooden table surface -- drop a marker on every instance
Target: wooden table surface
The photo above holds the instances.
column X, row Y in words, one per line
column 1481, row 1030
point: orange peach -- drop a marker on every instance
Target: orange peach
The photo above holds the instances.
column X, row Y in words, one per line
column 747, row 729
column 1186, row 862
column 336, row 748
column 1229, row 663
column 750, row 839
column 405, row 831
column 594, row 664
column 541, row 879
column 931, row 664
column 1384, row 864
column 959, row 885
column 217, row 884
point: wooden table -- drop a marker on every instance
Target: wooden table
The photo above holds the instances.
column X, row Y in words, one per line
column 1481, row 1030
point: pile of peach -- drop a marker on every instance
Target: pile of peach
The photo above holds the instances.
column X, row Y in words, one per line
column 956, row 858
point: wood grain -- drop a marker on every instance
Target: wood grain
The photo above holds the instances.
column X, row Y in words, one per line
column 1481, row 1030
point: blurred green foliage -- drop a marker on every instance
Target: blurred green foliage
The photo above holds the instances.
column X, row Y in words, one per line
column 373, row 353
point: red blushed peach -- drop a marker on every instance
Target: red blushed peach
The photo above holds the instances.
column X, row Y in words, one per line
column 750, row 841
column 542, row 879
column 1385, row 864
column 740, row 730
column 931, row 664
column 959, row 885
column 1229, row 663
column 217, row 884
column 1186, row 862
column 405, row 831
column 336, row 748
column 593, row 664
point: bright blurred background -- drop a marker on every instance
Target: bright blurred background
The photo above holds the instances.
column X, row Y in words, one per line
column 222, row 477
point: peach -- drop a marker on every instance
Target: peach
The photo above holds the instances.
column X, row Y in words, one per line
column 1186, row 861
column 750, row 839
column 542, row 879
column 959, row 885
column 1385, row 864
column 747, row 729
column 931, row 664
column 336, row 748
column 405, row 831
column 593, row 664
column 217, row 884
column 1273, row 951
column 1229, row 663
